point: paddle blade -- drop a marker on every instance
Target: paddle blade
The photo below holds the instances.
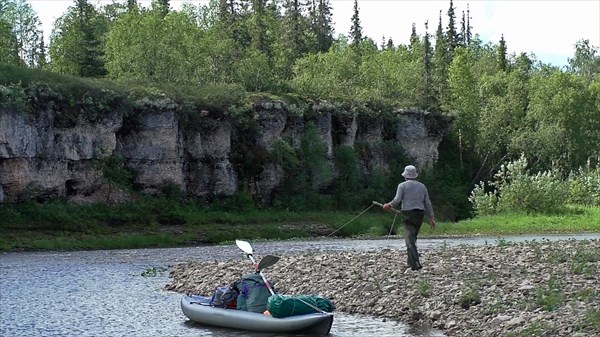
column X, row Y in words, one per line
column 267, row 261
column 245, row 246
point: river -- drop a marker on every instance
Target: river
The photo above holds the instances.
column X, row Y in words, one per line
column 103, row 293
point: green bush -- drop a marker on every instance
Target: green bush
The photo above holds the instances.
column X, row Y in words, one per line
column 584, row 186
column 514, row 189
column 13, row 96
column 484, row 202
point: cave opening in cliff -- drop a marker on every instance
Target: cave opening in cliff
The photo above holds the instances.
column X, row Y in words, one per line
column 70, row 189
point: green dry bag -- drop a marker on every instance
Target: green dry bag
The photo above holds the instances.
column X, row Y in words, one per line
column 292, row 305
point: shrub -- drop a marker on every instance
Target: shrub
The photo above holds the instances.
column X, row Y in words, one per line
column 584, row 186
column 13, row 96
column 515, row 189
column 484, row 203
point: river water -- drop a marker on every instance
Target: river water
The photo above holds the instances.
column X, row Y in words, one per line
column 103, row 293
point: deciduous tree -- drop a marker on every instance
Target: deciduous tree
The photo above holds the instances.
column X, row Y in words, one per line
column 25, row 26
column 9, row 52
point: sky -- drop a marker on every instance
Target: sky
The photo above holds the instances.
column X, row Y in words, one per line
column 547, row 28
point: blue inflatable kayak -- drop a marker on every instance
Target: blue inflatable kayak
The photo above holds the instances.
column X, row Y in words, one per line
column 198, row 309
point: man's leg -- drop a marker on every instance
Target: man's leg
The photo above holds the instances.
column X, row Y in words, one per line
column 412, row 225
column 411, row 247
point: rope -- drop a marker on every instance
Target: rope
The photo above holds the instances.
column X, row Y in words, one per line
column 346, row 224
column 393, row 223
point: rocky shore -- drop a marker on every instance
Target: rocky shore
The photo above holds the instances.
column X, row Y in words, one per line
column 537, row 288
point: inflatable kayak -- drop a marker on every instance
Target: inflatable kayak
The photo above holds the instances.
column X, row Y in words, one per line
column 198, row 309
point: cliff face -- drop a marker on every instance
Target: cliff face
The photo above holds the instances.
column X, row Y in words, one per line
column 41, row 159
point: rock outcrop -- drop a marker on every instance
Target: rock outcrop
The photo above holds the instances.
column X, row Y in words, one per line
column 41, row 159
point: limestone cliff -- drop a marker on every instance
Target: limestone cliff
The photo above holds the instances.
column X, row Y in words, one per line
column 41, row 159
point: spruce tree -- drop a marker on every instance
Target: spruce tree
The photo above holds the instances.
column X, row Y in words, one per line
column 324, row 26
column 92, row 60
column 41, row 54
column 414, row 38
column 390, row 44
column 429, row 99
column 463, row 31
column 296, row 28
column 452, row 37
column 441, row 63
column 293, row 37
column 468, row 35
column 259, row 34
column 356, row 36
column 76, row 46
column 501, row 62
column 231, row 22
column 132, row 5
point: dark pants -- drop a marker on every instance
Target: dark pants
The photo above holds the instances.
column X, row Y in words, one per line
column 412, row 221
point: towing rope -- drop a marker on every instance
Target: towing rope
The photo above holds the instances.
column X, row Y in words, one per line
column 393, row 223
column 346, row 224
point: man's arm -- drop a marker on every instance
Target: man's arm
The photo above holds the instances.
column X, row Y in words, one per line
column 429, row 210
column 397, row 199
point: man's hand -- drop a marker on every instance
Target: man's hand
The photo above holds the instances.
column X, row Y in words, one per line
column 387, row 207
column 432, row 222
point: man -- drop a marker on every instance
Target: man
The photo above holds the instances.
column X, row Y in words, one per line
column 415, row 202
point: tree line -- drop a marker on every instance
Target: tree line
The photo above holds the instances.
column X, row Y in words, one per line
column 503, row 106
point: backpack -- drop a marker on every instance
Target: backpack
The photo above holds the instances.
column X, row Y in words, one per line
column 253, row 293
column 224, row 297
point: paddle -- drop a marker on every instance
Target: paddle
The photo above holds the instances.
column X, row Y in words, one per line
column 245, row 246
column 267, row 261
column 270, row 260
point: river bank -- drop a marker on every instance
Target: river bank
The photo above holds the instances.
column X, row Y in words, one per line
column 159, row 223
column 501, row 289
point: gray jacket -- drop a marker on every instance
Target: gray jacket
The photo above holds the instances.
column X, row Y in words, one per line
column 413, row 195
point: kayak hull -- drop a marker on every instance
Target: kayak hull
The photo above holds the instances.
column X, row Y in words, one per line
column 198, row 309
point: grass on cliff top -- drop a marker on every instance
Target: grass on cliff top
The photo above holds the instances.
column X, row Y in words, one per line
column 163, row 223
column 73, row 90
column 98, row 95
